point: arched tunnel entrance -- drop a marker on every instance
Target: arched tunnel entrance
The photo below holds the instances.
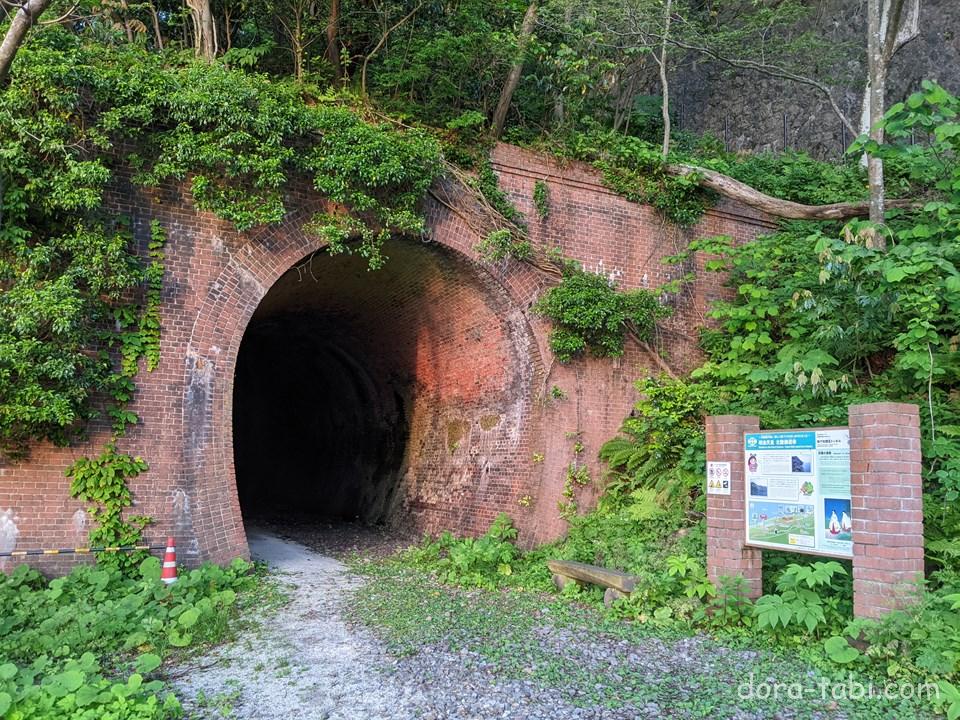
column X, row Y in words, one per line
column 318, row 429
column 393, row 396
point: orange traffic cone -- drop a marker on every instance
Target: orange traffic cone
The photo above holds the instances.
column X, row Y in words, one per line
column 169, row 572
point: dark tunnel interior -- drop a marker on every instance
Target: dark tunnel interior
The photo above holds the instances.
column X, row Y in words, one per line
column 320, row 424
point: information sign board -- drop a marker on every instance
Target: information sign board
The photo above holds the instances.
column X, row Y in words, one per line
column 798, row 490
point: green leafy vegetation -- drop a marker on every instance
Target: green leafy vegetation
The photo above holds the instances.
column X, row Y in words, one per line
column 634, row 168
column 590, row 315
column 90, row 645
column 541, row 199
column 77, row 113
column 102, row 481
column 467, row 561
column 503, row 243
column 821, row 316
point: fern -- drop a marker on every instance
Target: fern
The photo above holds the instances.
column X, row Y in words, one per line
column 633, row 467
column 660, row 448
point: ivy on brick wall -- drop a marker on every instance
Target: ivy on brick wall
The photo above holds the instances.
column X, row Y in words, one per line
column 102, row 482
column 591, row 316
column 74, row 113
column 80, row 307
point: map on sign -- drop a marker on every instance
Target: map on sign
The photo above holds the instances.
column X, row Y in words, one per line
column 798, row 490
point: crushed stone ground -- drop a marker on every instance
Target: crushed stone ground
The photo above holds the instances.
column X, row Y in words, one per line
column 307, row 661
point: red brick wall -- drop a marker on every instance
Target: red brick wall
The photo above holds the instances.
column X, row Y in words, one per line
column 627, row 242
column 479, row 380
column 887, row 506
column 727, row 554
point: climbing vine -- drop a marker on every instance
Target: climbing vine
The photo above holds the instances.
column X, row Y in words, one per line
column 577, row 475
column 102, row 482
column 591, row 315
column 74, row 115
column 541, row 199
column 504, row 243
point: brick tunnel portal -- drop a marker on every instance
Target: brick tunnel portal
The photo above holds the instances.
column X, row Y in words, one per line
column 356, row 391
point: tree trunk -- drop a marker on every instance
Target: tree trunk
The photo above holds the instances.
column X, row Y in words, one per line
column 156, row 26
column 513, row 79
column 296, row 42
column 204, row 30
column 906, row 27
column 333, row 45
column 891, row 24
column 26, row 15
column 125, row 15
column 664, row 85
column 227, row 30
column 877, row 82
column 736, row 190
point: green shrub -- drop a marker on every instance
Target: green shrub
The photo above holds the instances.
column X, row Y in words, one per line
column 79, row 646
column 590, row 315
column 470, row 562
column 806, row 598
column 76, row 114
column 662, row 445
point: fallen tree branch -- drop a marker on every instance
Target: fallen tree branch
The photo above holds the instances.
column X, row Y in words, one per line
column 741, row 192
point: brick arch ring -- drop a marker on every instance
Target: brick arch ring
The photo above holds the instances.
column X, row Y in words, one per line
column 208, row 474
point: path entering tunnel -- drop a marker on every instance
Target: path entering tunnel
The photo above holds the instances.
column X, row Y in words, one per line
column 348, row 380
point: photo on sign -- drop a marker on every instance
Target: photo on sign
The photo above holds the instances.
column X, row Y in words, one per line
column 837, row 524
column 801, row 462
column 781, row 523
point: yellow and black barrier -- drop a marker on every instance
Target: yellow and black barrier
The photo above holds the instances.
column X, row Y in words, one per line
column 81, row 550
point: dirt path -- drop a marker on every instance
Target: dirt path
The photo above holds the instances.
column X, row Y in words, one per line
column 307, row 661
column 304, row 662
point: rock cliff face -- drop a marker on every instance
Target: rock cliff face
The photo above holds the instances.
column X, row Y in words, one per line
column 750, row 111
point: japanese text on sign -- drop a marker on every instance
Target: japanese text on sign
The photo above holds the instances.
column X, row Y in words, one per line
column 798, row 490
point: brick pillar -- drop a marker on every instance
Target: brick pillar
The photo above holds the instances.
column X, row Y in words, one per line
column 726, row 514
column 887, row 506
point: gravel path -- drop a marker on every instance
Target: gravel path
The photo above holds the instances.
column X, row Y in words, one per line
column 309, row 661
column 303, row 661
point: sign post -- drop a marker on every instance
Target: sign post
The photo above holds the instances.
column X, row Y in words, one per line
column 845, row 492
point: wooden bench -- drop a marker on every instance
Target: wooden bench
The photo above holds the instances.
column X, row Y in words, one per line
column 618, row 584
